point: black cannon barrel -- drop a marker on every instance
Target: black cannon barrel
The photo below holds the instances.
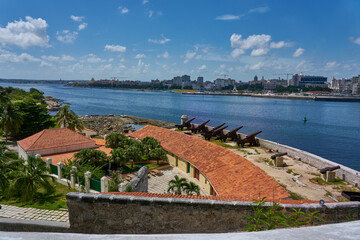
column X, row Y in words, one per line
column 190, row 120
column 219, row 130
column 235, row 129
column 218, row 126
column 278, row 155
column 324, row 170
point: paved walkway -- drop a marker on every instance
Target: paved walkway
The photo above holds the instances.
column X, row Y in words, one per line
column 7, row 211
column 160, row 184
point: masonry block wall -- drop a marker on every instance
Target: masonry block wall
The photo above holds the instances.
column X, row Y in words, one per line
column 105, row 213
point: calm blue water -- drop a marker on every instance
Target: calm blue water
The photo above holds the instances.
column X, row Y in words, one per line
column 332, row 130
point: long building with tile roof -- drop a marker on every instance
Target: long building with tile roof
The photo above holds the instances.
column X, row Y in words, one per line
column 220, row 171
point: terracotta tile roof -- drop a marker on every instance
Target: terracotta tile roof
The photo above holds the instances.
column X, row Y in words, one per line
column 63, row 157
column 52, row 138
column 217, row 198
column 100, row 142
column 230, row 174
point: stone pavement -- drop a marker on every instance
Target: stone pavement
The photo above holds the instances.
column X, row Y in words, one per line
column 7, row 211
column 160, row 184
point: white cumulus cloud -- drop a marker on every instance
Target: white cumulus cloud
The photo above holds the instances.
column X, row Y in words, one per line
column 115, row 48
column 31, row 32
column 355, row 40
column 280, row 44
column 163, row 55
column 82, row 26
column 228, row 17
column 160, row 41
column 237, row 52
column 123, row 10
column 145, row 1
column 259, row 52
column 298, row 52
column 77, row 18
column 6, row 56
column 202, row 67
column 140, row 55
column 66, row 36
column 253, row 41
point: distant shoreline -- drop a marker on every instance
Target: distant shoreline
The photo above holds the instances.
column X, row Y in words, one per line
column 287, row 96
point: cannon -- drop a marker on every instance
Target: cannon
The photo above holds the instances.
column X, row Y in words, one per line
column 248, row 139
column 186, row 124
column 278, row 155
column 201, row 127
column 231, row 134
column 329, row 169
column 214, row 128
column 207, row 135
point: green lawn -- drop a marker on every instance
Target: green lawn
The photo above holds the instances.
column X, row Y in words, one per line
column 52, row 202
column 129, row 169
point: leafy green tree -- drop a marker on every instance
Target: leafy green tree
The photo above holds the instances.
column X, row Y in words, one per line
column 158, row 153
column 133, row 154
column 116, row 140
column 191, row 189
column 118, row 157
column 29, row 178
column 91, row 156
column 177, row 185
column 67, row 118
column 35, row 117
column 7, row 165
column 10, row 118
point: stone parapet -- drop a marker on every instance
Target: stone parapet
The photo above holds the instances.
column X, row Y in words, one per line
column 106, row 213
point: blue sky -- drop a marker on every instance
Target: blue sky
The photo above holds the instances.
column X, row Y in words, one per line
column 149, row 39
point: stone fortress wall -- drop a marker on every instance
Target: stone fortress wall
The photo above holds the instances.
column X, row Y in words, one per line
column 105, row 213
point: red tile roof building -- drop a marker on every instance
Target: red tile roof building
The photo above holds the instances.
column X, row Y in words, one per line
column 54, row 141
column 230, row 175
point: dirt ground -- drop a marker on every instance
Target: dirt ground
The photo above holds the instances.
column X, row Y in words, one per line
column 301, row 180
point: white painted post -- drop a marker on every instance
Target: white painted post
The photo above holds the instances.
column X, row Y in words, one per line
column 37, row 156
column 87, row 181
column 60, row 165
column 48, row 163
column 72, row 176
column 104, row 184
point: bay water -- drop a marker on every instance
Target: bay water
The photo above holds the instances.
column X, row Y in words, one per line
column 332, row 130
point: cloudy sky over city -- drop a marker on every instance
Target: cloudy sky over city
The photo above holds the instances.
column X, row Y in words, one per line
column 149, row 39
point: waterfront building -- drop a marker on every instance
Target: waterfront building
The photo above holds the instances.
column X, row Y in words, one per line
column 312, row 81
column 221, row 83
column 294, row 81
column 200, row 79
column 271, row 84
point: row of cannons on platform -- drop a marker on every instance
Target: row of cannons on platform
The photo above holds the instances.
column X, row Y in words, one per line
column 219, row 132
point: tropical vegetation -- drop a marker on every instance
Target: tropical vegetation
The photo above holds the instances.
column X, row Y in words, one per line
column 181, row 185
column 23, row 113
column 66, row 117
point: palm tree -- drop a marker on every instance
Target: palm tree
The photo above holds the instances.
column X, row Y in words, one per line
column 191, row 188
column 10, row 118
column 29, row 178
column 7, row 165
column 67, row 118
column 177, row 185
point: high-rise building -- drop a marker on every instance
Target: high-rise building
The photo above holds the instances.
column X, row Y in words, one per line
column 294, row 81
column 200, row 79
column 185, row 78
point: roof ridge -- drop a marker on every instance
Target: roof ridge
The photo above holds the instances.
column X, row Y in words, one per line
column 42, row 132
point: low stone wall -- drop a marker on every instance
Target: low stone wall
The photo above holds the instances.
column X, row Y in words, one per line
column 139, row 182
column 105, row 213
column 19, row 225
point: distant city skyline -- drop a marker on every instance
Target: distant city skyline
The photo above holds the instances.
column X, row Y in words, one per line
column 158, row 39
